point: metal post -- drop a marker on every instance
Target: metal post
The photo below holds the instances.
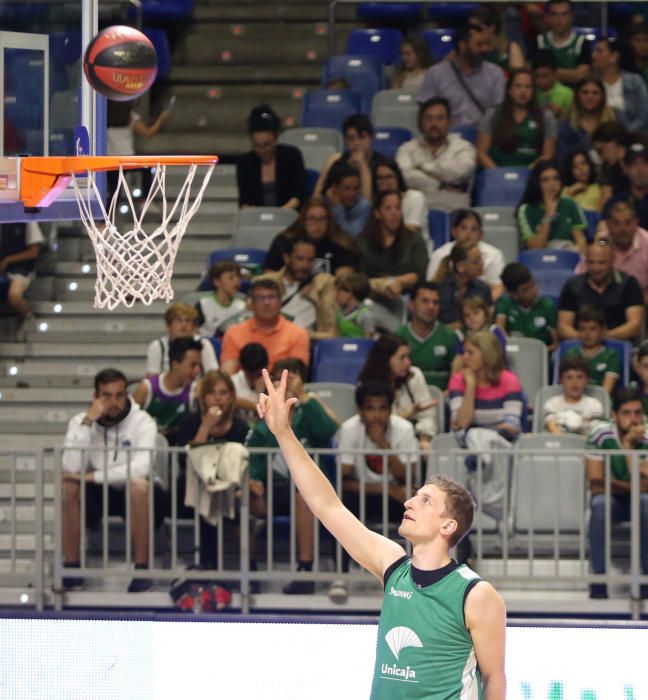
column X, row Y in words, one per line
column 89, row 27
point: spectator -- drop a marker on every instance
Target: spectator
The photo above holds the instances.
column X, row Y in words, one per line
column 20, row 246
column 625, row 91
column 169, row 396
column 640, row 366
column 476, row 316
column 354, row 317
column 517, row 132
column 314, row 426
column 636, row 168
column 572, row 411
column 280, row 337
column 415, row 59
column 550, row 92
column 180, row 321
column 467, row 228
column 579, row 179
column 389, row 361
column 627, row 431
column 335, row 251
column 271, row 174
column 637, row 61
column 467, row 81
column 570, row 50
column 545, row 218
column 248, row 382
column 610, row 141
column 504, row 52
column 432, row 343
column 115, row 420
column 522, row 311
column 439, row 164
column 458, row 278
column 486, row 406
column 603, row 363
column 393, row 257
column 349, row 208
column 215, row 310
column 617, row 294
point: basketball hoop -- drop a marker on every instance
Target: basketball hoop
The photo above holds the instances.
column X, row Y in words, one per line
column 134, row 259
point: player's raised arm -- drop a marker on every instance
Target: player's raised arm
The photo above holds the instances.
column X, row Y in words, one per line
column 371, row 550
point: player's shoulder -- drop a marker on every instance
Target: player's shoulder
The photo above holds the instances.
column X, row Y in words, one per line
column 482, row 597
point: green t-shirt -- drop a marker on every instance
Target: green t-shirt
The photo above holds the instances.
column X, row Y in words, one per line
column 528, row 145
column 357, row 323
column 536, row 321
column 605, row 361
column 604, row 436
column 432, row 355
column 558, row 95
column 568, row 56
column 568, row 216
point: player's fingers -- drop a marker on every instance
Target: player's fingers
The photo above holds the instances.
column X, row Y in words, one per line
column 262, row 405
column 267, row 381
column 291, row 402
column 283, row 383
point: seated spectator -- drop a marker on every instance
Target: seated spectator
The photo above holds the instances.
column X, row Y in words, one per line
column 601, row 286
column 180, row 321
column 517, row 132
column 486, row 405
column 169, row 396
column 20, row 246
column 580, row 181
column 504, row 52
column 476, row 316
column 391, row 255
column 467, row 228
column 248, row 381
column 458, row 278
column 603, row 363
column 637, row 41
column 314, row 425
column 215, row 310
column 432, row 344
column 572, row 411
column 354, row 317
column 610, row 141
column 215, row 421
column 389, row 361
column 272, row 174
column 636, row 169
column 386, row 175
column 550, row 92
column 415, row 59
column 468, row 82
column 436, row 162
column 112, row 420
column 570, row 50
column 344, row 197
column 281, row 338
column 308, row 299
column 335, row 251
column 522, row 311
column 626, row 431
column 625, row 91
column 545, row 218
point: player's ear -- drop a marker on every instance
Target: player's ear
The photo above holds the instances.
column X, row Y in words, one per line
column 449, row 527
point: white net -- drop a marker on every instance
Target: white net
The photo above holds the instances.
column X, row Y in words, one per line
column 135, row 257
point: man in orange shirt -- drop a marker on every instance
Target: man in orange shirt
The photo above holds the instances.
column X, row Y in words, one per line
column 280, row 337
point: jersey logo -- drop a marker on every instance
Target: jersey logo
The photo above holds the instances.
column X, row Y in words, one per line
column 398, row 638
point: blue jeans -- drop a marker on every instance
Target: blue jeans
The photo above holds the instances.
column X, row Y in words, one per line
column 619, row 512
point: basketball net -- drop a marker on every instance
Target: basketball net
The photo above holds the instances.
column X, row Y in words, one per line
column 136, row 262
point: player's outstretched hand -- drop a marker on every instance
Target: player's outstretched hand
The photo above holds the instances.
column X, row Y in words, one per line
column 273, row 407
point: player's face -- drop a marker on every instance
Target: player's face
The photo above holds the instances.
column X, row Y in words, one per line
column 115, row 397
column 189, row 367
column 229, row 282
column 425, row 307
column 573, row 383
column 220, row 396
column 181, row 327
column 629, row 414
column 375, row 412
column 425, row 514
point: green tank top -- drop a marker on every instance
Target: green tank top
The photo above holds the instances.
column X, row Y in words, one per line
column 348, row 326
column 424, row 649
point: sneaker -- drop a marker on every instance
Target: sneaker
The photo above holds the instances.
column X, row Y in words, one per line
column 598, row 590
column 140, row 585
column 299, row 588
column 338, row 592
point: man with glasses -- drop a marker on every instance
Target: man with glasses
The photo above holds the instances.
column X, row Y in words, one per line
column 281, row 338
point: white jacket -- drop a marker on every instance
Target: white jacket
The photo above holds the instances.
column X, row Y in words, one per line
column 137, row 429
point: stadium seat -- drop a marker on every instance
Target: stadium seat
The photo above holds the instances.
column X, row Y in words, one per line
column 453, row 11
column 389, row 314
column 160, row 41
column 528, row 358
column 506, row 238
column 316, row 144
column 593, row 34
column 549, row 258
column 593, row 219
column 623, row 348
column 311, row 180
column 497, row 217
column 439, row 227
column 250, row 259
column 468, row 133
column 387, row 139
column 339, row 397
column 501, row 187
column 544, row 394
column 390, row 11
column 340, row 359
column 551, row 281
column 217, row 345
column 329, row 108
column 384, row 44
column 255, row 227
column 395, row 108
column 364, row 74
column 165, row 10
column 440, row 41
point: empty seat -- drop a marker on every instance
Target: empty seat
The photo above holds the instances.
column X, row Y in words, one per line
column 502, row 187
column 165, row 10
column 593, row 34
column 390, row 11
column 384, row 44
column 389, row 314
column 340, row 359
column 440, row 41
column 551, row 281
column 451, row 10
column 339, row 397
column 387, row 139
column 329, row 108
column 552, row 258
column 506, row 238
column 623, row 348
column 316, row 144
column 364, row 75
column 528, row 358
column 160, row 41
column 255, row 227
column 593, row 218
column 312, row 175
column 544, row 394
column 395, row 108
column 497, row 217
column 468, row 133
column 439, row 227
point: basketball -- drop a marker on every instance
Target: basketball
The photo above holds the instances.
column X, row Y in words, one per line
column 120, row 63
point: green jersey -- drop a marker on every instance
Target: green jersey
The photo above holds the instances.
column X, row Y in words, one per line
column 570, row 54
column 604, row 436
column 558, row 95
column 536, row 321
column 528, row 145
column 357, row 323
column 424, row 649
column 433, row 355
column 604, row 361
column 568, row 216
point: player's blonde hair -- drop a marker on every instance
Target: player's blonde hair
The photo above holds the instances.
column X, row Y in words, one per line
column 459, row 505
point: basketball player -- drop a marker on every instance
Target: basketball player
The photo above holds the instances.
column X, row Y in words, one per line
column 442, row 629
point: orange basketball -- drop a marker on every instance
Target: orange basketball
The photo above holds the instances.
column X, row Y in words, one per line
column 120, row 63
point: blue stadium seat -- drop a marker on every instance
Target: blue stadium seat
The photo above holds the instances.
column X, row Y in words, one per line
column 390, row 11
column 466, row 132
column 439, row 227
column 502, row 187
column 160, row 41
column 311, row 180
column 329, row 108
column 251, row 259
column 384, row 44
column 549, row 258
column 340, row 359
column 395, row 108
column 593, row 34
column 65, row 47
column 551, row 281
column 165, row 10
column 216, row 342
column 387, row 139
column 623, row 348
column 451, row 10
column 440, row 41
column 364, row 74
column 593, row 219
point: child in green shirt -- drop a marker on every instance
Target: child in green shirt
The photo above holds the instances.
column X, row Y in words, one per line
column 354, row 317
column 550, row 92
